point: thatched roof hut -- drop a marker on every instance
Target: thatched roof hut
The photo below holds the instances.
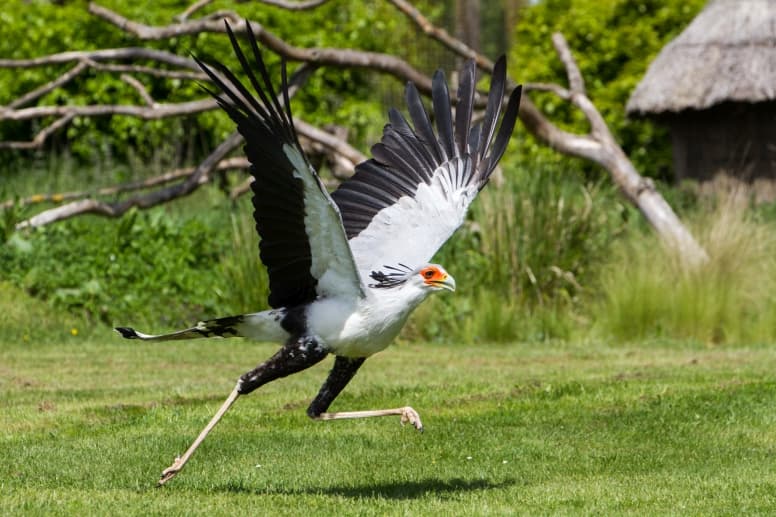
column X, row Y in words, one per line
column 715, row 85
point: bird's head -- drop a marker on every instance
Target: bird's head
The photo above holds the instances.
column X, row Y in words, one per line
column 433, row 277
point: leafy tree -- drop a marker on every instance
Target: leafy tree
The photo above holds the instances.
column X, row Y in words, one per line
column 613, row 42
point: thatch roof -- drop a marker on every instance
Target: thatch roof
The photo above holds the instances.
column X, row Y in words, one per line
column 727, row 53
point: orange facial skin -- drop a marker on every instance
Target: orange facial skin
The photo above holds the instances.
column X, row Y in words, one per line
column 432, row 275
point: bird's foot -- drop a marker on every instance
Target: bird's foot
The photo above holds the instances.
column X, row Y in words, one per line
column 171, row 471
column 410, row 416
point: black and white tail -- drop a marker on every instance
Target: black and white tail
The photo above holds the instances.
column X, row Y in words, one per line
column 265, row 326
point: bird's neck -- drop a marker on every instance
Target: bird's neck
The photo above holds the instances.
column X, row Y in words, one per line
column 400, row 300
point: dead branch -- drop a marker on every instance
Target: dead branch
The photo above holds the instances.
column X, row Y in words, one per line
column 200, row 176
column 155, row 181
column 140, row 89
column 329, row 141
column 196, row 6
column 146, row 70
column 294, row 6
column 155, row 112
column 557, row 89
column 339, row 57
column 576, row 83
column 441, row 35
column 40, row 138
column 50, row 86
column 108, row 54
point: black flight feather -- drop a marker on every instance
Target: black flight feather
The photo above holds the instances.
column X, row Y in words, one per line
column 505, row 131
column 278, row 196
column 463, row 111
column 422, row 123
column 495, row 98
column 440, row 98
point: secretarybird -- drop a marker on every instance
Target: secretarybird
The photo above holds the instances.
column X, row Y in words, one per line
column 346, row 269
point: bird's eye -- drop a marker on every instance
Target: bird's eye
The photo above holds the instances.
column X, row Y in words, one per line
column 428, row 273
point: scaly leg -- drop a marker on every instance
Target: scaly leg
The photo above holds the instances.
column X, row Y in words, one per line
column 344, row 369
column 408, row 415
column 180, row 461
column 296, row 355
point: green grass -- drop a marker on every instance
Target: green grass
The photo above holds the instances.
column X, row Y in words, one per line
column 576, row 428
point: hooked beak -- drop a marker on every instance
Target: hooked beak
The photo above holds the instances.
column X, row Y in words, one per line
column 447, row 283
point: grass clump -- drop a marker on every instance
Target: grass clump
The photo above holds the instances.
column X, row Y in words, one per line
column 646, row 290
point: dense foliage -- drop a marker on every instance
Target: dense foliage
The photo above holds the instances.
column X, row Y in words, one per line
column 613, row 41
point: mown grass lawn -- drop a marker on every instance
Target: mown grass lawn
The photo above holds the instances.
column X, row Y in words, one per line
column 585, row 428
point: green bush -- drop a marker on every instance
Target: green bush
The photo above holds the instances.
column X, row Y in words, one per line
column 148, row 268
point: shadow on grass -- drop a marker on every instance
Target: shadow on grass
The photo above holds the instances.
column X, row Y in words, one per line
column 388, row 490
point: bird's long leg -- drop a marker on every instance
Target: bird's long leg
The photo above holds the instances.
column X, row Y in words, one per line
column 180, row 461
column 296, row 355
column 344, row 369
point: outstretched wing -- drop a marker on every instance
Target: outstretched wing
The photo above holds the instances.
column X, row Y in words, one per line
column 404, row 203
column 303, row 242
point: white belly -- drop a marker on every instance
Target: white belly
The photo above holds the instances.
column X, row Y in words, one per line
column 355, row 329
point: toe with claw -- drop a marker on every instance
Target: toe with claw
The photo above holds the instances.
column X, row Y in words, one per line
column 170, row 471
column 409, row 415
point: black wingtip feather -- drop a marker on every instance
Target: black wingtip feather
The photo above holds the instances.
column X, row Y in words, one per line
column 278, row 195
column 463, row 111
column 421, row 121
column 505, row 131
column 127, row 332
column 495, row 98
column 440, row 97
column 408, row 156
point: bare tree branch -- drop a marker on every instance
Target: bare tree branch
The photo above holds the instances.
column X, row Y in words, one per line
column 42, row 135
column 329, row 141
column 50, row 86
column 196, row 6
column 558, row 90
column 339, row 57
column 576, row 83
column 241, row 189
column 108, row 54
column 294, row 6
column 200, row 176
column 146, row 70
column 441, row 35
column 155, row 181
column 158, row 111
column 141, row 90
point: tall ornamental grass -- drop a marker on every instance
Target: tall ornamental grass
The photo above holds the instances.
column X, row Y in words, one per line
column 645, row 290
